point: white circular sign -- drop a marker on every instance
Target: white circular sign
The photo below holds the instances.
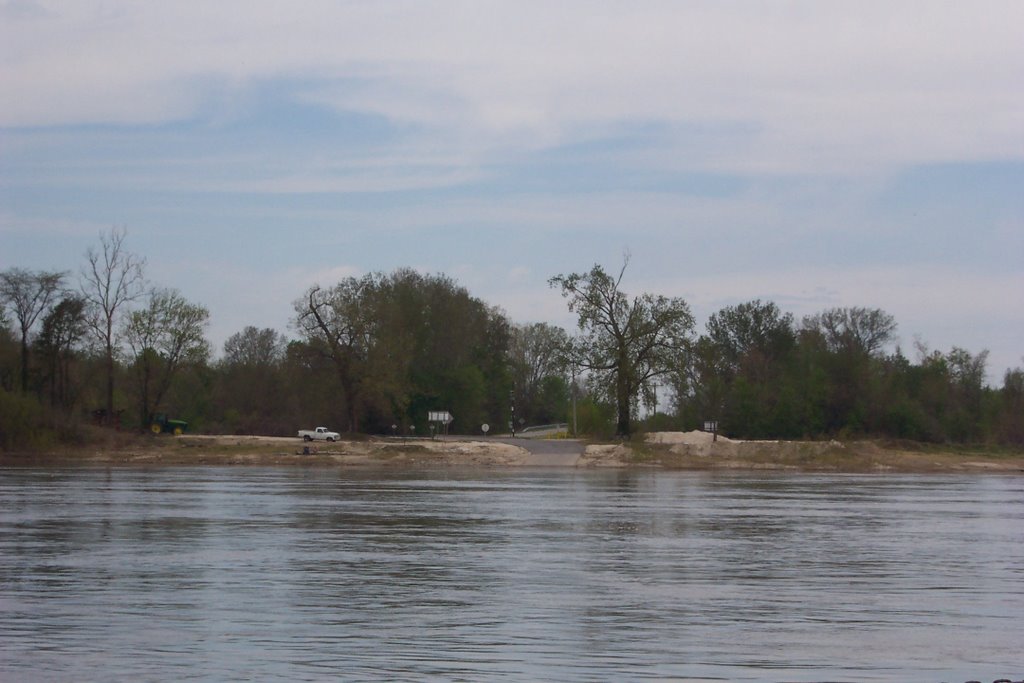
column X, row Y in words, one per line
column 485, row 427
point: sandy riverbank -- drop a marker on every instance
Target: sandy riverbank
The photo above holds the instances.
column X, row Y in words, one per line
column 270, row 450
column 700, row 450
column 665, row 450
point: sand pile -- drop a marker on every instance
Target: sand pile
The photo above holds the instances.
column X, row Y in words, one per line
column 605, row 455
column 695, row 443
column 478, row 452
column 692, row 438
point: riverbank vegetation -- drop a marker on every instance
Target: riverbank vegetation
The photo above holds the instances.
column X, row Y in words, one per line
column 106, row 350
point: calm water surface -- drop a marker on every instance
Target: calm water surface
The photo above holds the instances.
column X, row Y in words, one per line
column 517, row 575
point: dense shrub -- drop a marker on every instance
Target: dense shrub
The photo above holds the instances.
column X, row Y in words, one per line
column 21, row 422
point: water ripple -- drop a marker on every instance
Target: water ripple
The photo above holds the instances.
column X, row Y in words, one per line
column 285, row 574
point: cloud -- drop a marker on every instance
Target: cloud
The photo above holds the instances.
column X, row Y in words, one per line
column 22, row 10
column 806, row 85
column 239, row 295
column 751, row 149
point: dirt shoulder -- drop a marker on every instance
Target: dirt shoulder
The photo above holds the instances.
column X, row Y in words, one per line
column 663, row 450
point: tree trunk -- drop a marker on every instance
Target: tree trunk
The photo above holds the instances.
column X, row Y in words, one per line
column 622, row 397
column 348, row 387
column 110, row 386
column 24, row 362
column 63, row 370
column 144, row 408
column 353, row 420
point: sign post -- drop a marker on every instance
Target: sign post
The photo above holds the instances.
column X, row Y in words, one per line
column 712, row 426
column 440, row 417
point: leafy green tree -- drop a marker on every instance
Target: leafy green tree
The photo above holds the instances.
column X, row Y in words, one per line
column 853, row 330
column 465, row 395
column 853, row 340
column 313, row 394
column 439, row 340
column 964, row 421
column 740, row 364
column 751, row 338
column 624, row 343
column 892, row 408
column 492, row 357
column 62, row 330
column 551, row 402
column 250, row 394
column 163, row 336
column 539, row 364
column 28, row 295
column 595, row 413
column 9, row 358
column 192, row 393
column 699, row 385
column 22, row 423
column 404, row 344
column 338, row 323
column 253, row 347
column 928, row 387
column 809, row 378
column 1010, row 422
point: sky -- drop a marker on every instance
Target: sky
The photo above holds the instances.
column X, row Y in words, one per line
column 815, row 154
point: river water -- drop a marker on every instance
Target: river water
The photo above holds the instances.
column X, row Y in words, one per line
column 512, row 575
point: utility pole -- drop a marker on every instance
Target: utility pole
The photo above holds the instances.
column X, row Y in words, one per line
column 512, row 422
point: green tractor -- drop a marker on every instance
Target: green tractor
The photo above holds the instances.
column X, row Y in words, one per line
column 161, row 424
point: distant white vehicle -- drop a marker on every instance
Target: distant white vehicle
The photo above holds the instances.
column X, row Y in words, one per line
column 319, row 434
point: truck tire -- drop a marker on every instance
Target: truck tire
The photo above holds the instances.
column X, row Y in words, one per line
column 331, row 439
column 307, row 437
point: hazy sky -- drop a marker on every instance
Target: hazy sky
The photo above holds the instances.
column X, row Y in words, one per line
column 815, row 154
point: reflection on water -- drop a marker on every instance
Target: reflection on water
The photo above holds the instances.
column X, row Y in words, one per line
column 309, row 574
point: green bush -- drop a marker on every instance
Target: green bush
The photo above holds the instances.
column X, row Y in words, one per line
column 596, row 420
column 21, row 422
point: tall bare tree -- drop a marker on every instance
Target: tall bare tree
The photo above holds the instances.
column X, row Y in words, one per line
column 112, row 279
column 28, row 294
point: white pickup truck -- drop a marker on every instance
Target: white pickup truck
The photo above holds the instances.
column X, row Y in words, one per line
column 319, row 434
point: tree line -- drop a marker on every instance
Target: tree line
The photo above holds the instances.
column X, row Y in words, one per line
column 375, row 354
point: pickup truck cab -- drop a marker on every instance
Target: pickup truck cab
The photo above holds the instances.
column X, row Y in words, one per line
column 319, row 434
